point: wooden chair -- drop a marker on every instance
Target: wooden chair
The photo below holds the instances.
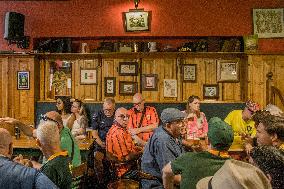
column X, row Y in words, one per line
column 78, row 176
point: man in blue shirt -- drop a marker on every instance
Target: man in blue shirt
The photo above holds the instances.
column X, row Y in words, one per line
column 164, row 146
column 15, row 175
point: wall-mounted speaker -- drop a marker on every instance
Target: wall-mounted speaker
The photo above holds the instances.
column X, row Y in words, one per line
column 14, row 26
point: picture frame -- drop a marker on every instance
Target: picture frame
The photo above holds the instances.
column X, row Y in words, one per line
column 268, row 23
column 88, row 76
column 189, row 72
column 110, row 86
column 170, row 88
column 210, row 91
column 128, row 68
column 23, row 80
column 227, row 71
column 137, row 20
column 149, row 82
column 128, row 87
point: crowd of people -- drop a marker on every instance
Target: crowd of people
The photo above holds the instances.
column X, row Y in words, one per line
column 184, row 151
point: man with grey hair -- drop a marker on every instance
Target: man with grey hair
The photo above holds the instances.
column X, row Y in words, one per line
column 164, row 146
column 57, row 166
column 17, row 176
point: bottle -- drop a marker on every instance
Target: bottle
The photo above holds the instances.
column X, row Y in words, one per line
column 17, row 133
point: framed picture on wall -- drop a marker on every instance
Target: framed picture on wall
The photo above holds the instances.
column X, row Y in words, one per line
column 268, row 23
column 88, row 76
column 128, row 87
column 149, row 82
column 228, row 71
column 210, row 91
column 170, row 88
column 137, row 20
column 189, row 72
column 110, row 86
column 128, row 68
column 23, row 80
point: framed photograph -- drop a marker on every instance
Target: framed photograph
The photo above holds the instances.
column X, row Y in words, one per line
column 268, row 23
column 210, row 91
column 128, row 68
column 189, row 72
column 170, row 88
column 110, row 86
column 23, row 80
column 149, row 82
column 128, row 87
column 88, row 76
column 227, row 71
column 137, row 20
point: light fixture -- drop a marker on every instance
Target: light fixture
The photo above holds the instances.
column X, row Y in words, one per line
column 136, row 2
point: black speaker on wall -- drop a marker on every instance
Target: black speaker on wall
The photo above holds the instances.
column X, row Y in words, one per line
column 14, row 26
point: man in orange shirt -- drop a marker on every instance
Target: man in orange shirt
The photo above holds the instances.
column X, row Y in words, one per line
column 142, row 121
column 119, row 142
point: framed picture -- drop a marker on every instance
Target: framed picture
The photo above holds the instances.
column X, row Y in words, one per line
column 88, row 76
column 268, row 23
column 189, row 72
column 227, row 71
column 210, row 91
column 128, row 87
column 110, row 86
column 137, row 20
column 128, row 68
column 149, row 82
column 23, row 80
column 170, row 88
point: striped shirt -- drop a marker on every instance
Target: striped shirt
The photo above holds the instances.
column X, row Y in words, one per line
column 150, row 117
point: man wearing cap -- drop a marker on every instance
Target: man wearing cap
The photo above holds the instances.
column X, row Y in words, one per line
column 67, row 142
column 142, row 121
column 164, row 146
column 194, row 166
column 241, row 121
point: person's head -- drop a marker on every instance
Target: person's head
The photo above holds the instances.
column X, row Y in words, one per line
column 6, row 146
column 121, row 117
column 193, row 104
column 237, row 175
column 48, row 137
column 173, row 121
column 63, row 104
column 78, row 107
column 249, row 110
column 271, row 161
column 274, row 110
column 220, row 134
column 138, row 102
column 109, row 107
column 54, row 117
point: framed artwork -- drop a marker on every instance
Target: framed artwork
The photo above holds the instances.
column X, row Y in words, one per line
column 23, row 80
column 268, row 23
column 227, row 71
column 88, row 76
column 189, row 72
column 137, row 20
column 210, row 91
column 128, row 87
column 110, row 86
column 170, row 88
column 149, row 82
column 128, row 68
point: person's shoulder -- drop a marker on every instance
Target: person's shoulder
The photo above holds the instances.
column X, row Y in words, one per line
column 131, row 111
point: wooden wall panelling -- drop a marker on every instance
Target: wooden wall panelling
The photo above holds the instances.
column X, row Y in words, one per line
column 109, row 70
column 278, row 78
column 42, row 80
column 4, row 86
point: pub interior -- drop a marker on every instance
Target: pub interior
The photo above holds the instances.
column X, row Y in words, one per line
column 142, row 94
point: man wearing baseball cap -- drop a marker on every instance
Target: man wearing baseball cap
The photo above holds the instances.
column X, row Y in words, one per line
column 194, row 166
column 163, row 146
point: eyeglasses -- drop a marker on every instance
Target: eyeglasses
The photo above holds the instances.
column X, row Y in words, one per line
column 45, row 118
column 252, row 112
column 108, row 110
column 123, row 116
column 139, row 103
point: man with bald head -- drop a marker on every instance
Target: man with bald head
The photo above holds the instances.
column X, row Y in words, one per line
column 142, row 121
column 17, row 176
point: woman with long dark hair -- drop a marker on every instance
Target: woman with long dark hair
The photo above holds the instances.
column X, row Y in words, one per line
column 63, row 106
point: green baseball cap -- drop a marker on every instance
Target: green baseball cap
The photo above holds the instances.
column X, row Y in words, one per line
column 220, row 134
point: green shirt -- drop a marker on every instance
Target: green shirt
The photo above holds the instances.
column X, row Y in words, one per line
column 58, row 171
column 66, row 139
column 194, row 166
